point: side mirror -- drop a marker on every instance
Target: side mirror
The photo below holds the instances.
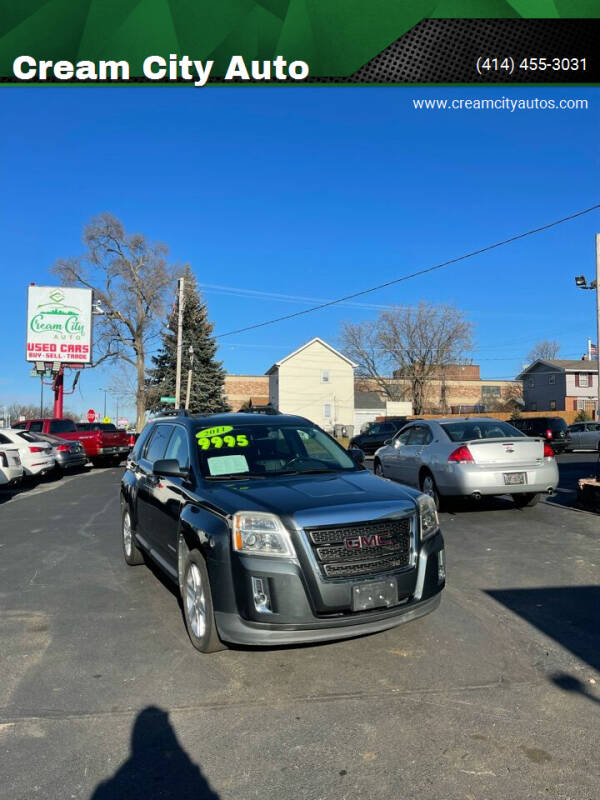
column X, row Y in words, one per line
column 357, row 455
column 387, row 442
column 169, row 468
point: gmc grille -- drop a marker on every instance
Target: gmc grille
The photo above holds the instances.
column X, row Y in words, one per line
column 337, row 560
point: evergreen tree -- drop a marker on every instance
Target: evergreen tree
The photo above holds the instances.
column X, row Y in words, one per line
column 207, row 395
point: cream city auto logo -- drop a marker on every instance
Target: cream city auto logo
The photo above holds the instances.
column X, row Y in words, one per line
column 58, row 318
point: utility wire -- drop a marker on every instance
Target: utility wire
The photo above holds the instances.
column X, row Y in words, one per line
column 456, row 260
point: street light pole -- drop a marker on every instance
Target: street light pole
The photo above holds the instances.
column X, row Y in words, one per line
column 598, row 323
column 581, row 283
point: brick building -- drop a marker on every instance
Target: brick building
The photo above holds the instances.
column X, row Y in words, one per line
column 242, row 388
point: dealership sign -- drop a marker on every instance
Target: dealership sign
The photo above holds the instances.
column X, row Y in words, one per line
column 59, row 324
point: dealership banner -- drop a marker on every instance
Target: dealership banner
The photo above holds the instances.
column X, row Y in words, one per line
column 59, row 324
column 294, row 42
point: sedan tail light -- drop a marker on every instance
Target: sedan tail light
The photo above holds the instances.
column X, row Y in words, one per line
column 461, row 454
column 63, row 448
column 36, row 449
column 548, row 451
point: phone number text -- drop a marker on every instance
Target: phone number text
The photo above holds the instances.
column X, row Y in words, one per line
column 509, row 65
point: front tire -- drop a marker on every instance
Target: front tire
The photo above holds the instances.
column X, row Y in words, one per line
column 428, row 486
column 131, row 552
column 198, row 606
column 526, row 500
column 378, row 469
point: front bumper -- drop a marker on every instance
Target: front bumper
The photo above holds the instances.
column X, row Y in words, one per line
column 468, row 479
column 293, row 618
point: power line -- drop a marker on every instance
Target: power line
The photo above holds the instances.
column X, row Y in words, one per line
column 416, row 274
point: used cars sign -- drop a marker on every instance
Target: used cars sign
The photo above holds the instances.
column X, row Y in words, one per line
column 59, row 324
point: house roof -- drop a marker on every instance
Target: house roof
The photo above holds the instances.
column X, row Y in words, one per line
column 563, row 365
column 277, row 364
column 368, row 400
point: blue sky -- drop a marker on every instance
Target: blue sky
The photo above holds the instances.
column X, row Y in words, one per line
column 311, row 192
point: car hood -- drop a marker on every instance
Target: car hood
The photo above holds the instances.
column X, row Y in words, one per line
column 317, row 499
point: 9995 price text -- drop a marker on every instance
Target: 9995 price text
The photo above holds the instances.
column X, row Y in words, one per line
column 508, row 65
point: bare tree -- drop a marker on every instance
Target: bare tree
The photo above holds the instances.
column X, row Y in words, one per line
column 545, row 348
column 413, row 344
column 129, row 276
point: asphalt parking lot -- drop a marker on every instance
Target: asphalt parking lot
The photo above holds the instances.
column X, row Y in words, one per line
column 494, row 695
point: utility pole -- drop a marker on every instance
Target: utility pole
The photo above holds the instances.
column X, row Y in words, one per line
column 179, row 345
column 598, row 323
column 189, row 378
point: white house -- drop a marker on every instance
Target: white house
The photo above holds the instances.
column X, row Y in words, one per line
column 315, row 381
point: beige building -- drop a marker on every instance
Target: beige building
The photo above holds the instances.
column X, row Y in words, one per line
column 315, row 381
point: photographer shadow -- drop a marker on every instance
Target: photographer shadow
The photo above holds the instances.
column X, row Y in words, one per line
column 158, row 767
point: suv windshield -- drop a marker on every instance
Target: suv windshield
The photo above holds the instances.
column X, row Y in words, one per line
column 467, row 430
column 269, row 450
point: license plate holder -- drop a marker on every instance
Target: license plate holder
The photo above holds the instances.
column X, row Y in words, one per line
column 515, row 478
column 379, row 594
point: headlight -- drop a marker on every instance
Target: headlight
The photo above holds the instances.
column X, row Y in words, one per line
column 255, row 532
column 428, row 518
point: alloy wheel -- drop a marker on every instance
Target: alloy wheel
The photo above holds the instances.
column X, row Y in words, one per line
column 127, row 534
column 195, row 601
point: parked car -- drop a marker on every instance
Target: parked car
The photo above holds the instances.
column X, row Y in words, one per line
column 100, row 446
column 469, row 457
column 274, row 534
column 11, row 469
column 376, row 434
column 113, row 444
column 68, row 455
column 583, row 436
column 554, row 430
column 36, row 456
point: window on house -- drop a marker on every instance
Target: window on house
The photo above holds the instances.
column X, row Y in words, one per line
column 324, row 376
column 327, row 410
column 531, row 383
column 552, row 379
column 584, row 379
column 490, row 393
column 552, row 405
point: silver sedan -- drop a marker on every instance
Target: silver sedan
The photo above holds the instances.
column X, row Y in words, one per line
column 469, row 457
column 584, row 436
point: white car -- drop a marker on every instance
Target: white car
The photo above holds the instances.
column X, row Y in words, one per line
column 36, row 457
column 11, row 470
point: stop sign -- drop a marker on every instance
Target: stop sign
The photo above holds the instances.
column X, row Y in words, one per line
column 91, row 415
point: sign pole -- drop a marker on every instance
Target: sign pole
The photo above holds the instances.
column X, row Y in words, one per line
column 41, row 395
column 58, row 387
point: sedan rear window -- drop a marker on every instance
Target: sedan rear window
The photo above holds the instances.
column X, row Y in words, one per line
column 470, row 429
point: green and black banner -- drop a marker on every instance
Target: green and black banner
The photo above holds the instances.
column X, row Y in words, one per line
column 201, row 42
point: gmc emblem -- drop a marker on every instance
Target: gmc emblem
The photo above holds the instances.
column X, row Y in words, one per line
column 371, row 540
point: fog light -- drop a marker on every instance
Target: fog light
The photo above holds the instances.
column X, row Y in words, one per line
column 441, row 566
column 260, row 593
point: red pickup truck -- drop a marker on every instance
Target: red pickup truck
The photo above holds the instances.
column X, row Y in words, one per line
column 103, row 443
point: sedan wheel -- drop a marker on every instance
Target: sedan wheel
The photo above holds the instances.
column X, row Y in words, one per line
column 428, row 487
column 379, row 469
